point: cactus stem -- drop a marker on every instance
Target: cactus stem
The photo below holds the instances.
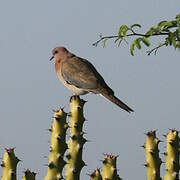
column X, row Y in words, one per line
column 58, row 146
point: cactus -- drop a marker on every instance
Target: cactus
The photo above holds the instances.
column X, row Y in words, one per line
column 153, row 161
column 109, row 170
column 76, row 140
column 172, row 155
column 58, row 146
column 9, row 165
column 96, row 175
column 29, row 175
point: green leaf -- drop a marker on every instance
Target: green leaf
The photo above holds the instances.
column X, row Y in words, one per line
column 167, row 41
column 137, row 43
column 178, row 45
column 162, row 23
column 171, row 24
column 123, row 30
column 170, row 38
column 174, row 42
column 178, row 33
column 151, row 31
column 104, row 43
column 135, row 25
column 132, row 48
column 146, row 41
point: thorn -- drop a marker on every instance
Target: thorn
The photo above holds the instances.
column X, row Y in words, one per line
column 84, row 101
column 2, row 164
column 19, row 160
column 51, row 165
column 174, row 162
column 62, row 108
column 75, row 125
column 79, row 107
column 165, row 135
column 73, row 137
column 13, row 173
column 171, row 143
column 143, row 146
column 85, row 119
column 87, row 140
column 9, row 150
column 59, row 138
column 159, row 141
column 82, row 133
column 68, row 156
column 146, row 165
column 152, row 152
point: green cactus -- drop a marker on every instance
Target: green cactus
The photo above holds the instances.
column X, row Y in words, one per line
column 76, row 140
column 109, row 170
column 29, row 175
column 58, row 146
column 9, row 165
column 172, row 155
column 153, row 161
column 96, row 175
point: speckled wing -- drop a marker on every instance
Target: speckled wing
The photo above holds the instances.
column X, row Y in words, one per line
column 81, row 73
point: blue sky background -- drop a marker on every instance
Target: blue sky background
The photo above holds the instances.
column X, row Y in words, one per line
column 30, row 89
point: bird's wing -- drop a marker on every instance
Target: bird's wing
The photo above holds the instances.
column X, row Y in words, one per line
column 81, row 73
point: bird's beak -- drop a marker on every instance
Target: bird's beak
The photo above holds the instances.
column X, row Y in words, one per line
column 52, row 58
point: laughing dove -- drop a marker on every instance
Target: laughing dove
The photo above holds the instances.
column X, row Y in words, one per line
column 81, row 77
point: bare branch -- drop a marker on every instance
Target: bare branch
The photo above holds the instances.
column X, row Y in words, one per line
column 155, row 49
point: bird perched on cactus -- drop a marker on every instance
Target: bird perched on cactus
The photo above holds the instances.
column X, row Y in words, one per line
column 81, row 77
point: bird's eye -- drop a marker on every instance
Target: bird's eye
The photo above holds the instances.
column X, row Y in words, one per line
column 55, row 52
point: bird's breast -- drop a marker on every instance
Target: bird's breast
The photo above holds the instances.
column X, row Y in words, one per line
column 71, row 87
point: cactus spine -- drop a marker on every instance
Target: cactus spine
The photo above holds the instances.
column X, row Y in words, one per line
column 76, row 140
column 172, row 155
column 9, row 165
column 29, row 175
column 109, row 170
column 96, row 175
column 58, row 146
column 153, row 161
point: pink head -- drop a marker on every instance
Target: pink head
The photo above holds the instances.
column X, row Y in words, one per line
column 59, row 53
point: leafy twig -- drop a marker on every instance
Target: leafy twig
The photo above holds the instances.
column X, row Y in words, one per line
column 102, row 38
column 168, row 29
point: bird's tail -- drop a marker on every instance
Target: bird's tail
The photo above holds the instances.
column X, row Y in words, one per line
column 118, row 102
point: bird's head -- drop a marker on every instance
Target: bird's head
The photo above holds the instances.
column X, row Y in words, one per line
column 59, row 53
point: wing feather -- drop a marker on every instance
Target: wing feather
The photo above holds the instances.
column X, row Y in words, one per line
column 81, row 73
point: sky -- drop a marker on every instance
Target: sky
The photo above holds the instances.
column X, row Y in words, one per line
column 30, row 88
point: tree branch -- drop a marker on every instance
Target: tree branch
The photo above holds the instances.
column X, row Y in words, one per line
column 155, row 49
column 128, row 35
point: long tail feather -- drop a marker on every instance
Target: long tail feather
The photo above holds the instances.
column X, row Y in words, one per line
column 117, row 101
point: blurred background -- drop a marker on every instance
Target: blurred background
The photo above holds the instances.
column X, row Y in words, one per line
column 30, row 88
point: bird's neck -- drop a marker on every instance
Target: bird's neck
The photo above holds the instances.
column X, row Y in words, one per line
column 58, row 64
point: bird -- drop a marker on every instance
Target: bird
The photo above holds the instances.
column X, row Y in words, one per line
column 81, row 77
